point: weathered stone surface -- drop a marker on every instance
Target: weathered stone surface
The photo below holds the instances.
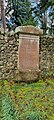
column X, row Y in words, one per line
column 28, row 76
column 8, row 55
column 28, row 52
column 46, row 55
column 29, row 30
column 12, row 33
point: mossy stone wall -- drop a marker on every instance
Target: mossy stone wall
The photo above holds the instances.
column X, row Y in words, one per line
column 9, row 45
column 47, row 55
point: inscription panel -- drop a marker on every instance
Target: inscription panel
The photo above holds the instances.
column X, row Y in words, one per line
column 28, row 52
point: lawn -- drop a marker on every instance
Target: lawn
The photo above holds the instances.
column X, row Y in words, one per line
column 22, row 101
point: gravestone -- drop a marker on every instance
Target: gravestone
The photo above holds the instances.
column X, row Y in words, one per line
column 28, row 58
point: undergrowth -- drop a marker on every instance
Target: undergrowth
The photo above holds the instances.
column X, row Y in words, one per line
column 22, row 101
column 9, row 113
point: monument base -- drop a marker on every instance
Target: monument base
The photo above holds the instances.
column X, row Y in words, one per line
column 28, row 76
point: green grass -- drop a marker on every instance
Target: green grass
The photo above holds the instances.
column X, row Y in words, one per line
column 22, row 101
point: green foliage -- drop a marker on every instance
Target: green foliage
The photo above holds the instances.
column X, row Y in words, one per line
column 8, row 111
column 34, row 115
column 30, row 21
column 21, row 101
column 50, row 74
column 22, row 13
column 51, row 82
column 51, row 17
column 42, row 11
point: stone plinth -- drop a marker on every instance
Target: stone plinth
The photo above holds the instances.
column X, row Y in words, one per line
column 28, row 59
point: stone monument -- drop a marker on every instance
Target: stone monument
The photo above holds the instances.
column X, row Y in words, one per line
column 28, row 58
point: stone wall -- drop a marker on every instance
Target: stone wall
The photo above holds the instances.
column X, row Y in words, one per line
column 9, row 43
column 47, row 55
column 9, row 46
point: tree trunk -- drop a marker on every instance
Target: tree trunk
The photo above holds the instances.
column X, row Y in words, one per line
column 3, row 14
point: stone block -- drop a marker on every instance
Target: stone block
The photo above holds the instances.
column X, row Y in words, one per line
column 29, row 30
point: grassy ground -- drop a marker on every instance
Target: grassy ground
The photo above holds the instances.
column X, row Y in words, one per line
column 21, row 101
